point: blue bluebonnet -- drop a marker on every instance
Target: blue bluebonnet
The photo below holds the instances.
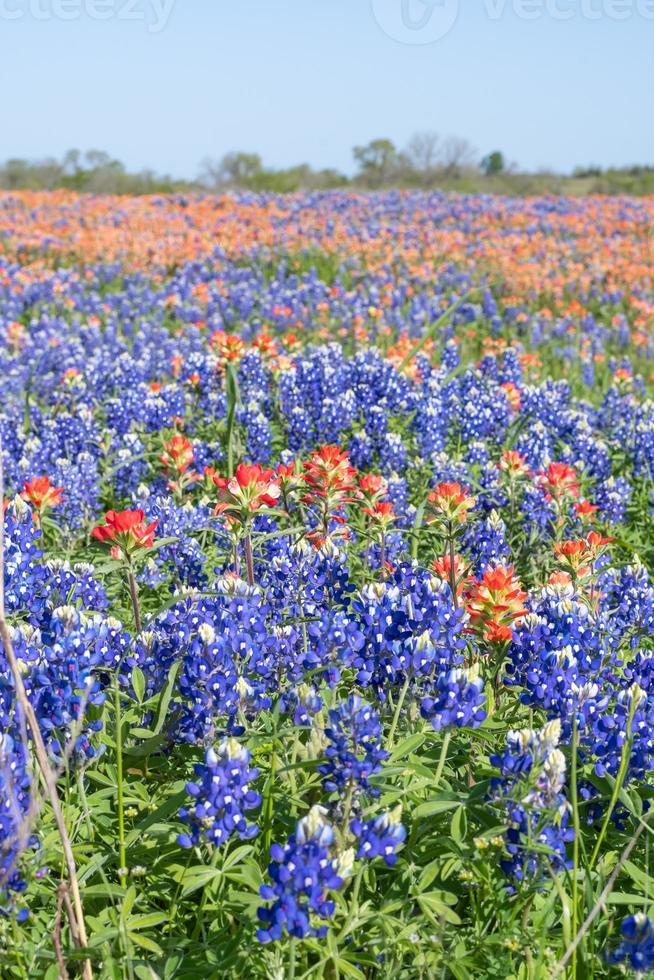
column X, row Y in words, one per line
column 530, row 793
column 354, row 746
column 15, row 800
column 303, row 873
column 484, row 543
column 636, row 948
column 222, row 794
column 407, row 625
column 457, row 700
column 302, row 702
column 380, row 837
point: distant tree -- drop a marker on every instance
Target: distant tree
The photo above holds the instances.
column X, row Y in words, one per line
column 328, row 178
column 591, row 171
column 94, row 171
column 457, row 155
column 376, row 161
column 97, row 160
column 71, row 162
column 422, row 151
column 493, row 164
column 15, row 174
column 233, row 170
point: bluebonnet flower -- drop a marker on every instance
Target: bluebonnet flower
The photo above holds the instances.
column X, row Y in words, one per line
column 302, row 702
column 457, row 700
column 637, row 945
column 354, row 751
column 530, row 790
column 303, row 872
column 222, row 794
column 381, row 836
column 406, row 625
column 62, row 673
column 485, row 544
column 179, row 521
column 258, row 433
column 613, row 496
column 15, row 786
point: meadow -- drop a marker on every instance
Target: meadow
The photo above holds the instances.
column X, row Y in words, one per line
column 326, row 608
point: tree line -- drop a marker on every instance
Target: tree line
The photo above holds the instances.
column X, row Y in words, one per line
column 427, row 162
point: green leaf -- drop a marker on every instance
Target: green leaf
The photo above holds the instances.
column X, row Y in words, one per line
column 162, row 543
column 147, row 920
column 348, row 968
column 142, row 732
column 166, row 695
column 197, row 877
column 437, row 910
column 106, row 890
column 459, row 825
column 625, row 898
column 138, row 683
column 433, row 807
column 145, row 943
column 406, row 747
column 128, row 901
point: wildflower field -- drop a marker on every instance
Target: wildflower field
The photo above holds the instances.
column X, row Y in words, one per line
column 326, row 607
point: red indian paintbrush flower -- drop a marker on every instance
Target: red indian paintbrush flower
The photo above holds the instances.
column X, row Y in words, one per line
column 239, row 497
column 329, row 479
column 372, row 487
column 291, row 482
column 251, row 488
column 176, row 459
column 290, row 476
column 513, row 395
column 381, row 514
column 328, row 473
column 579, row 556
column 177, row 455
column 586, row 511
column 457, row 574
column 514, row 465
column 495, row 602
column 559, row 481
column 450, row 502
column 126, row 530
column 228, row 347
column 41, row 494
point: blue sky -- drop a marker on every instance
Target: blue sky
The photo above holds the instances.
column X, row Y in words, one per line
column 305, row 80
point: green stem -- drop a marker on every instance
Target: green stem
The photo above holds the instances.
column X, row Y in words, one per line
column 575, row 845
column 354, row 903
column 452, row 568
column 199, row 922
column 85, row 805
column 135, row 601
column 292, row 950
column 398, row 709
column 347, row 809
column 249, row 559
column 173, row 907
column 268, row 809
column 441, row 762
column 18, row 949
column 119, row 781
